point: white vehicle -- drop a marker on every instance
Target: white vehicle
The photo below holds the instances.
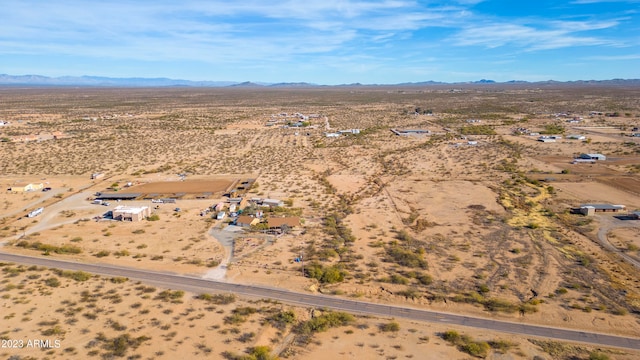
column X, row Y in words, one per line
column 221, row 215
column 35, row 212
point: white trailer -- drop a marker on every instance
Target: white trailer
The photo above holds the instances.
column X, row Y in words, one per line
column 35, row 212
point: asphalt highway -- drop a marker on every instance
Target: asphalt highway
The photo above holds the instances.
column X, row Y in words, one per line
column 199, row 285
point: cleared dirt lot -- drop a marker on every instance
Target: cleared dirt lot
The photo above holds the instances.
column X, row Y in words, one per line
column 188, row 187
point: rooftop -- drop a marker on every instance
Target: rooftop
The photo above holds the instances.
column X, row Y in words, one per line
column 116, row 196
column 604, row 206
column 130, row 209
column 279, row 221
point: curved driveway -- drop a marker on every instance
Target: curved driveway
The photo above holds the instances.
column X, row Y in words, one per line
column 608, row 223
column 198, row 285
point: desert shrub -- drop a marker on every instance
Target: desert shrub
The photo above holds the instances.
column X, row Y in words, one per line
column 52, row 281
column 154, row 217
column 500, row 305
column 553, row 129
column 324, row 322
column 451, row 336
column 619, row 311
column 326, row 275
column 46, row 248
column 406, row 257
column 124, row 252
column 424, row 279
column 561, row 291
column 168, row 295
column 477, row 130
column 502, row 346
column 102, row 253
column 75, row 275
column 584, row 260
column 254, row 353
column 119, row 345
column 218, row 299
column 477, row 349
column 244, row 310
column 56, row 330
column 239, row 315
column 390, row 327
column 409, row 293
column 280, row 319
column 467, row 344
column 595, row 355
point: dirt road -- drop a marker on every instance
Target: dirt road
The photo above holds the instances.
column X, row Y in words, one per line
column 610, row 222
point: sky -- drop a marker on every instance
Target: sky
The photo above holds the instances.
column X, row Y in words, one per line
column 323, row 41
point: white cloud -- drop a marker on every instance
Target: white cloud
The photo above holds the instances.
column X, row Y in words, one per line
column 207, row 30
column 552, row 35
column 615, row 57
column 603, row 1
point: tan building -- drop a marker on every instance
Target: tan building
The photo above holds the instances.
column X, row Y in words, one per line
column 246, row 221
column 27, row 187
column 276, row 222
column 130, row 213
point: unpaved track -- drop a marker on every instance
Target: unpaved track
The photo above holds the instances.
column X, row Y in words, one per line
column 199, row 285
column 608, row 223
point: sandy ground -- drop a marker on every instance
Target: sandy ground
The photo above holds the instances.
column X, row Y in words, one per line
column 82, row 318
column 480, row 227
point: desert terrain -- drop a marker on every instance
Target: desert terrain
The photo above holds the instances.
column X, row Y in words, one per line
column 475, row 216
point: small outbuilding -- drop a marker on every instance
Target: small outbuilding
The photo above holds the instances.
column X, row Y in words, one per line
column 27, row 187
column 598, row 157
column 576, row 137
column 272, row 202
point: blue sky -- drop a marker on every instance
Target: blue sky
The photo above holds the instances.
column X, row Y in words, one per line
column 323, row 41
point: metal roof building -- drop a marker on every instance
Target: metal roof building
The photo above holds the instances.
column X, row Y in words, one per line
column 117, row 196
column 604, row 207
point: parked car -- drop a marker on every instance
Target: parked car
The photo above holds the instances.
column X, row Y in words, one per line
column 46, row 189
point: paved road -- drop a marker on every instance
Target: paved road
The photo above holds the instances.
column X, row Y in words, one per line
column 199, row 285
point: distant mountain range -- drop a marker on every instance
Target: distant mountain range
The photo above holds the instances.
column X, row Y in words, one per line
column 99, row 81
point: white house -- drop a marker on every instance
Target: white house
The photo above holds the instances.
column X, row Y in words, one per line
column 130, row 213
